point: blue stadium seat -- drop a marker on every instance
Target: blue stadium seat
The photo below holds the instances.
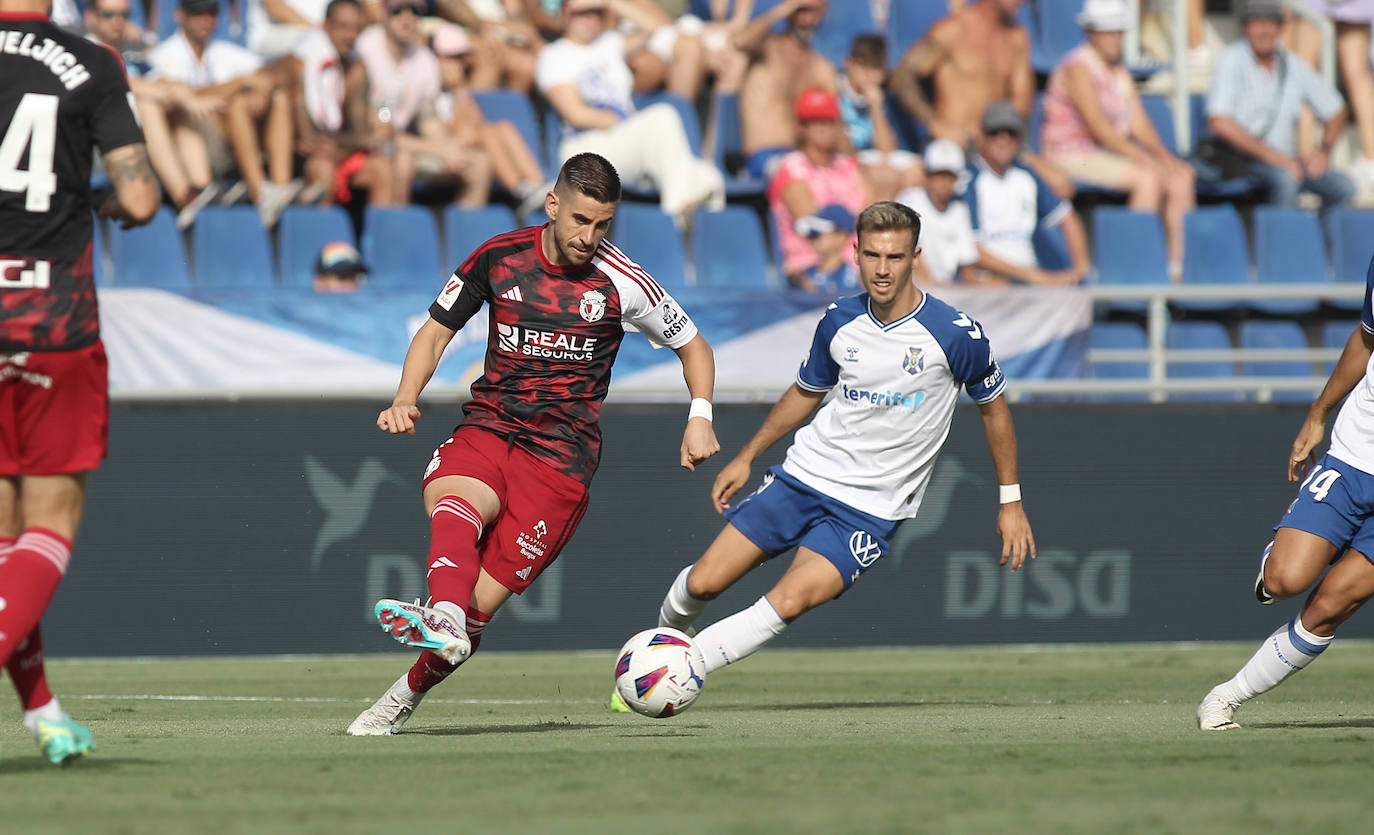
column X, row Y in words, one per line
column 302, row 233
column 1057, row 32
column 837, row 30
column 231, row 248
column 509, row 106
column 553, row 136
column 150, row 256
column 1161, row 113
column 1352, row 245
column 466, row 229
column 907, row 23
column 1129, row 249
column 690, row 123
column 1289, row 249
column 1335, row 335
column 1261, row 333
column 401, row 247
column 1119, row 336
column 651, row 239
column 1036, row 124
column 1214, row 252
column 1200, row 336
column 728, row 248
column 730, row 144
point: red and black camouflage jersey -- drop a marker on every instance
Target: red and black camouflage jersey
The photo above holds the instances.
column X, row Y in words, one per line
column 61, row 96
column 554, row 334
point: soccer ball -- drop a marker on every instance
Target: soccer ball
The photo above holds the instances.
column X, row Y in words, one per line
column 660, row 672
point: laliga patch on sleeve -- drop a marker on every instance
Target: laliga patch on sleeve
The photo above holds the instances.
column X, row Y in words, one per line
column 451, row 291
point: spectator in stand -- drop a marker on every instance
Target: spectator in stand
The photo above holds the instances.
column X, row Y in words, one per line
column 585, row 78
column 1352, row 19
column 513, row 163
column 405, row 84
column 1097, row 130
column 504, row 44
column 337, row 132
column 272, row 28
column 977, row 55
column 338, row 268
column 171, row 114
column 886, row 168
column 256, row 102
column 815, row 196
column 1258, row 92
column 1009, row 204
column 948, row 250
column 781, row 66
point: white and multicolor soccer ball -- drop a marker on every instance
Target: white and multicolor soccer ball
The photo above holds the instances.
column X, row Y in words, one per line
column 660, row 672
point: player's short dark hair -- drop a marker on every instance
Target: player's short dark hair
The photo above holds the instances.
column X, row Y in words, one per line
column 869, row 48
column 334, row 4
column 592, row 175
column 888, row 216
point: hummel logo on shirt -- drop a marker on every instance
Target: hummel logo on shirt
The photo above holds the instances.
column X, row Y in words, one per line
column 513, row 294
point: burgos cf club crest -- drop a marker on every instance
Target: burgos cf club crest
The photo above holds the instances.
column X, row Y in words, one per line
column 593, row 306
column 914, row 361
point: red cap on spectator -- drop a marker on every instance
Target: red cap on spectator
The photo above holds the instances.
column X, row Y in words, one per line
column 816, row 104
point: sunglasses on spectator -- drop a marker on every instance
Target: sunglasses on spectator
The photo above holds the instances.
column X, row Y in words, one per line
column 415, row 8
column 111, row 15
column 1014, row 134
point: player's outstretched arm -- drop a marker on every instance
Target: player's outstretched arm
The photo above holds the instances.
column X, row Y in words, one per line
column 792, row 410
column 1018, row 544
column 1348, row 372
column 136, row 191
column 426, row 349
column 699, row 370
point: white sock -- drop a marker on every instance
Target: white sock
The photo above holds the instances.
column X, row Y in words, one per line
column 1288, row 650
column 680, row 609
column 740, row 635
column 52, row 711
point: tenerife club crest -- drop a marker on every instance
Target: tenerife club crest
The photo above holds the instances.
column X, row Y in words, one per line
column 914, row 362
column 593, row 306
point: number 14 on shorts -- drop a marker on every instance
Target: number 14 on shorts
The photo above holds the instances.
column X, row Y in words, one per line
column 1319, row 482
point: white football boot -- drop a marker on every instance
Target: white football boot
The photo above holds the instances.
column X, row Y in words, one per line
column 424, row 627
column 1216, row 711
column 389, row 713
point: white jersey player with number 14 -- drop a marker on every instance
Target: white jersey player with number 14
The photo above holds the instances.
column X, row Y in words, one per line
column 895, row 359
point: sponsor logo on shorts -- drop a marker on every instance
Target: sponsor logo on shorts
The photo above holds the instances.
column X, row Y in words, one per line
column 540, row 529
column 864, row 548
column 524, row 573
column 12, row 368
column 553, row 345
column 450, row 292
column 592, row 306
column 532, row 547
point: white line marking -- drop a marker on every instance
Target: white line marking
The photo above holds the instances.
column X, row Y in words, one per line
column 152, row 697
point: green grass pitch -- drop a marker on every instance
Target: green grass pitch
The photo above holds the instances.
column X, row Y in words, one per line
column 1091, row 740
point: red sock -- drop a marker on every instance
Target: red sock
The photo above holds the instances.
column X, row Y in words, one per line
column 26, row 672
column 454, row 529
column 430, row 669
column 29, row 575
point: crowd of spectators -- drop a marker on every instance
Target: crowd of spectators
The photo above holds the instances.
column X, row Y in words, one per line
column 372, row 102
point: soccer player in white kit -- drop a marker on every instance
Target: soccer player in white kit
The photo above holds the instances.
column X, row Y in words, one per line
column 895, row 358
column 1331, row 522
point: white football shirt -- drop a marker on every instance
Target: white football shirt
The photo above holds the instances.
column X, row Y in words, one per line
column 946, row 237
column 873, row 444
column 1352, row 436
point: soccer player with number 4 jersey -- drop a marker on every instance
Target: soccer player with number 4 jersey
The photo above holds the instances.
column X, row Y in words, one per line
column 506, row 492
column 1331, row 522
column 893, row 360
column 61, row 97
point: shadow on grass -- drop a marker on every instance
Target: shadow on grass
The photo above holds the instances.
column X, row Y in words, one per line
column 476, row 730
column 1314, row 725
column 95, row 762
column 855, row 705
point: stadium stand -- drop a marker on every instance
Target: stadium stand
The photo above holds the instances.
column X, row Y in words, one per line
column 684, row 108
column 400, row 245
column 729, row 151
column 509, row 106
column 1335, row 335
column 1119, row 336
column 652, row 239
column 1289, row 249
column 838, row 29
column 149, row 256
column 728, row 249
column 1264, row 334
column 907, row 23
column 1195, row 336
column 466, row 229
column 1214, row 252
column 1057, row 32
column 1129, row 250
column 300, row 235
column 230, row 248
column 1351, row 232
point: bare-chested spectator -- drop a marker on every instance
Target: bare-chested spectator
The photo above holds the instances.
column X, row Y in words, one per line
column 977, row 55
column 887, row 169
column 781, row 66
column 336, row 128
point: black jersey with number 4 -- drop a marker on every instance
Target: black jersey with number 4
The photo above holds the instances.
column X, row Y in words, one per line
column 61, row 97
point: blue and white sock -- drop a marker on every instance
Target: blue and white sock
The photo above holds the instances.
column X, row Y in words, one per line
column 680, row 609
column 740, row 635
column 1288, row 650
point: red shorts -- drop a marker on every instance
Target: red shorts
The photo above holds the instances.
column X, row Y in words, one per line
column 54, row 411
column 540, row 506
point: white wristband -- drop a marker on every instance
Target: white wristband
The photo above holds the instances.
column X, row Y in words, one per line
column 700, row 408
column 1009, row 493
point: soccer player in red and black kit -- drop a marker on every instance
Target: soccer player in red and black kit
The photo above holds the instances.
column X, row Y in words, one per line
column 61, row 96
column 506, row 491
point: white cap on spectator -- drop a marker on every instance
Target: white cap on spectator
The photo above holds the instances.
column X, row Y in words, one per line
column 1105, row 16
column 943, row 155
